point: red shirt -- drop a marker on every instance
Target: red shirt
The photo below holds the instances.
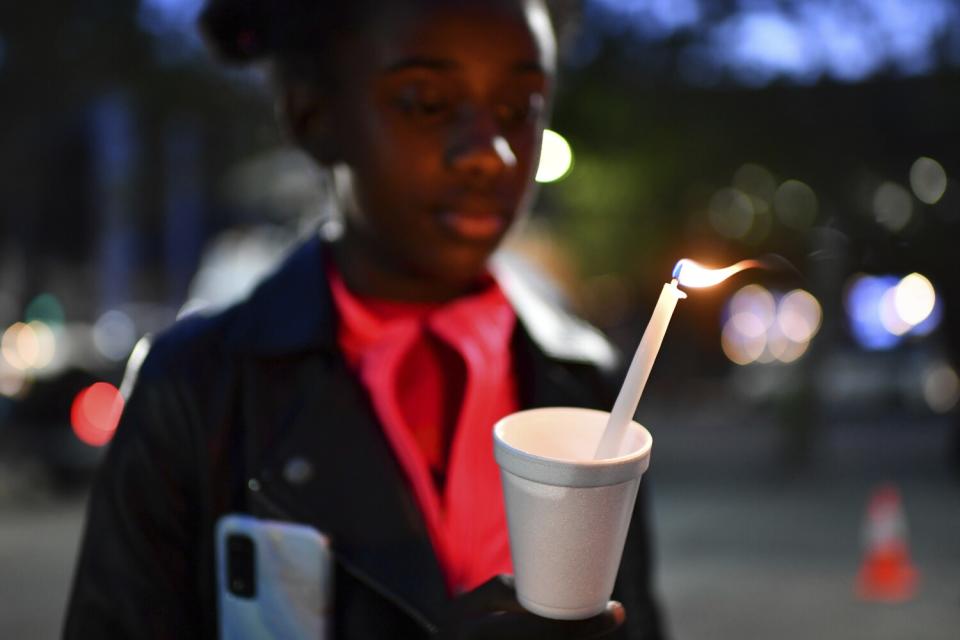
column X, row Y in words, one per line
column 439, row 376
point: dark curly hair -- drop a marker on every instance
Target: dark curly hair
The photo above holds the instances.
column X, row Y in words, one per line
column 296, row 33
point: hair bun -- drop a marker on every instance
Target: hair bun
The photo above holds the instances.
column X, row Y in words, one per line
column 237, row 30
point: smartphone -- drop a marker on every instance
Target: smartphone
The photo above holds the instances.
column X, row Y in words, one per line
column 274, row 580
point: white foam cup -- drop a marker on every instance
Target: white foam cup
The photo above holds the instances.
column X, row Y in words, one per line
column 567, row 514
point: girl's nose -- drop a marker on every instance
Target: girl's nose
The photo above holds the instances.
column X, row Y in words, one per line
column 479, row 149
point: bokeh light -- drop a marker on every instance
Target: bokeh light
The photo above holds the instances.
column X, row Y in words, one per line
column 796, row 205
column 759, row 41
column 863, row 303
column 941, row 388
column 914, row 299
column 95, row 413
column 892, row 206
column 754, row 300
column 10, row 345
column 28, row 345
column 890, row 317
column 792, row 351
column 927, row 326
column 173, row 23
column 556, row 157
column 883, row 309
column 755, row 180
column 799, row 316
column 44, row 344
column 740, row 347
column 777, row 344
column 114, row 335
column 748, row 325
column 12, row 381
column 731, row 213
column 760, row 328
column 928, row 180
column 47, row 309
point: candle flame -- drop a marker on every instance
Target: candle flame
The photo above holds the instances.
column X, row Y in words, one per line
column 693, row 274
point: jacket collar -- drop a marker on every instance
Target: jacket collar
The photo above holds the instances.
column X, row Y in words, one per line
column 291, row 310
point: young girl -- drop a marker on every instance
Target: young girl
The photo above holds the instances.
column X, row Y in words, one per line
column 355, row 390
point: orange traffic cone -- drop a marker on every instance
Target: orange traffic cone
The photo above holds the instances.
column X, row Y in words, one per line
column 887, row 575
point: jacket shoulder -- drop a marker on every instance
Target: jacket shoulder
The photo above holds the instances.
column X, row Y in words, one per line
column 287, row 312
column 182, row 348
column 556, row 331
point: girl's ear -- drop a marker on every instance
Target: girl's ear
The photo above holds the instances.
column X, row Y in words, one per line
column 307, row 118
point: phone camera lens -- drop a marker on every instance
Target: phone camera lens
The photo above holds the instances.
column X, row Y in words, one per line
column 241, row 566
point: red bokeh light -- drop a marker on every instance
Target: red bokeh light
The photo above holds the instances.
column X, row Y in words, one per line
column 96, row 412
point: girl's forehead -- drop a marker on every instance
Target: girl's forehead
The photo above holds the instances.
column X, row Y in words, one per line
column 509, row 32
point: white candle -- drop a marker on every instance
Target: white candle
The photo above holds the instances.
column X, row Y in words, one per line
column 636, row 380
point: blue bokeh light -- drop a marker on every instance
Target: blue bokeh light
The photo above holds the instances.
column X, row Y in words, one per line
column 652, row 19
column 174, row 24
column 757, row 47
column 162, row 17
column 931, row 322
column 863, row 303
column 799, row 40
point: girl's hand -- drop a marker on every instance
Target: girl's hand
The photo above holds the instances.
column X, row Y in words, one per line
column 492, row 611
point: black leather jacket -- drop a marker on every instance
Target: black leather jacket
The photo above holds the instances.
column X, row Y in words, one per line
column 221, row 407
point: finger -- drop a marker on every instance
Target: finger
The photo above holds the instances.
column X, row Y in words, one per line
column 527, row 626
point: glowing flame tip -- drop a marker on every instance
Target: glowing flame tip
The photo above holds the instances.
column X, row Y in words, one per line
column 690, row 273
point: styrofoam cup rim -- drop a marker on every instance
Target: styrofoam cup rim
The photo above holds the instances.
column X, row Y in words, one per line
column 546, row 469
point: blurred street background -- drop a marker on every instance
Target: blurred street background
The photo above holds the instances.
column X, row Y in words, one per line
column 806, row 465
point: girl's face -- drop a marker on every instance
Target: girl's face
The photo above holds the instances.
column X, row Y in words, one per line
column 437, row 126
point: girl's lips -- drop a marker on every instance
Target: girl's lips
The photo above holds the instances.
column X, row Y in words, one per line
column 473, row 226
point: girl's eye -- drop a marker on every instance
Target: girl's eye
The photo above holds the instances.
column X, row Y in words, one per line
column 520, row 109
column 427, row 103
